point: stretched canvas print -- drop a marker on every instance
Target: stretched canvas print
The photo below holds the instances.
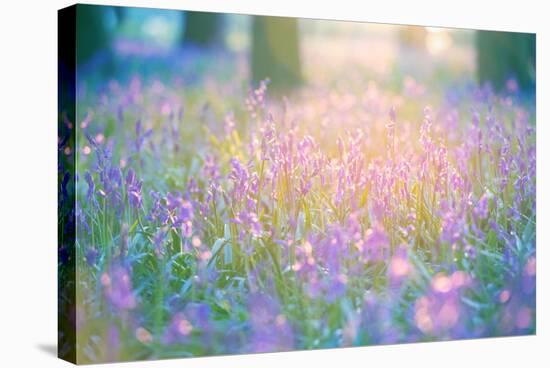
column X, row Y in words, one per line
column 233, row 184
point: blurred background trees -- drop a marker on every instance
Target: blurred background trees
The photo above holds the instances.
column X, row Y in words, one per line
column 202, row 29
column 275, row 51
column 505, row 55
column 276, row 46
column 92, row 33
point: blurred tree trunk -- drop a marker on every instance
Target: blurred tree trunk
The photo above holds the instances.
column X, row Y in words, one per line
column 504, row 55
column 202, row 29
column 276, row 51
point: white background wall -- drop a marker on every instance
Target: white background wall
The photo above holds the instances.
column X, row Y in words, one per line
column 28, row 134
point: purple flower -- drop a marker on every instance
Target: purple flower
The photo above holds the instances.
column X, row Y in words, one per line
column 229, row 124
column 185, row 216
column 268, row 145
column 178, row 331
column 518, row 299
column 178, row 213
column 194, row 320
column 481, row 210
column 305, row 266
column 452, row 224
column 156, row 211
column 512, row 85
column 141, row 136
column 341, row 186
column 305, row 186
column 111, row 180
column 211, row 168
column 470, row 251
column 91, row 256
column 335, row 287
column 271, row 330
column 133, row 189
column 390, row 126
column 399, row 267
column 200, row 314
column 250, row 223
column 376, row 244
column 81, row 218
column 240, row 177
column 256, row 98
column 425, row 131
column 438, row 312
column 158, row 240
column 91, row 186
column 117, row 287
column 375, row 321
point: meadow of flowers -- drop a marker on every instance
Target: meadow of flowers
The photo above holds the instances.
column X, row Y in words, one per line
column 219, row 218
